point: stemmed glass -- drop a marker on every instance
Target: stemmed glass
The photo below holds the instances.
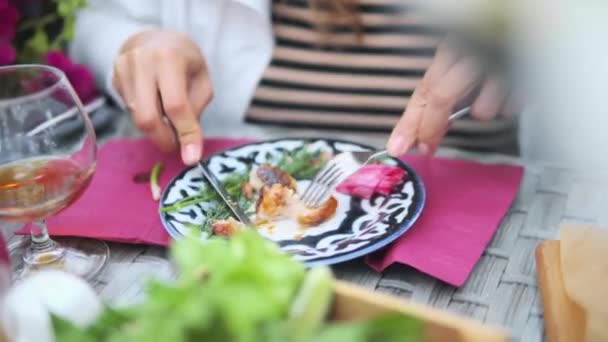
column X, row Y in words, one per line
column 47, row 159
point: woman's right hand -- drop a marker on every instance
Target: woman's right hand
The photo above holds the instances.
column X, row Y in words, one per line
column 159, row 70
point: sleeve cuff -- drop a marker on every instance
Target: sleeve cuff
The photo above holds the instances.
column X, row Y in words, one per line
column 99, row 37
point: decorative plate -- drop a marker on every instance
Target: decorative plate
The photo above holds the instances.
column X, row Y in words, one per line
column 359, row 226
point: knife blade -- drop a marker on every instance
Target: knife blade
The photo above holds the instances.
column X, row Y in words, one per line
column 236, row 210
column 217, row 185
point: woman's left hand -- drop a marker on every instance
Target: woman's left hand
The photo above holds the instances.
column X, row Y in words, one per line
column 446, row 83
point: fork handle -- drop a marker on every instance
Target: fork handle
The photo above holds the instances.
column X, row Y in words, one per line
column 464, row 111
column 378, row 154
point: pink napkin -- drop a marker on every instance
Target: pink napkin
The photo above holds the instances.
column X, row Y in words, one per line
column 115, row 207
column 465, row 202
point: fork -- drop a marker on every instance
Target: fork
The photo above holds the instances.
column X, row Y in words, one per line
column 342, row 166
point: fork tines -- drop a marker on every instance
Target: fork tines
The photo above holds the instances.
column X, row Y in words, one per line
column 322, row 184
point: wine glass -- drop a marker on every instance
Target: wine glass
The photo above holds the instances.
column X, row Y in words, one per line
column 47, row 159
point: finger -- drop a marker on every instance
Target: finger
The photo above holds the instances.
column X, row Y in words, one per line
column 404, row 135
column 121, row 80
column 172, row 81
column 444, row 59
column 201, row 92
column 124, row 83
column 456, row 84
column 490, row 100
column 512, row 106
column 147, row 113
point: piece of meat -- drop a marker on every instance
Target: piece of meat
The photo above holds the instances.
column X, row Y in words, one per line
column 267, row 175
column 247, row 190
column 272, row 201
column 279, row 202
column 371, row 179
column 226, row 227
column 309, row 217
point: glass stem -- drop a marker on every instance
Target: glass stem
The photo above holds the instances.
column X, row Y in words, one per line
column 42, row 250
column 40, row 237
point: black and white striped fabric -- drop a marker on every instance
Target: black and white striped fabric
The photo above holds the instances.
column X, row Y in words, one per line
column 340, row 80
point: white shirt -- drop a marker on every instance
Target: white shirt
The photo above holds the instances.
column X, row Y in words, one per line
column 235, row 37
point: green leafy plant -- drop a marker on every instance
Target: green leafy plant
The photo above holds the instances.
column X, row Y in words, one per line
column 243, row 289
column 45, row 26
column 37, row 32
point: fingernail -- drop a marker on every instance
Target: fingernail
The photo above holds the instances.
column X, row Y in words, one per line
column 395, row 145
column 191, row 154
column 424, row 149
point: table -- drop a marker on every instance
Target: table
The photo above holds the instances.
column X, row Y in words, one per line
column 502, row 289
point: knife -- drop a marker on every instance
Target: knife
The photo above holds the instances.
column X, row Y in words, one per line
column 217, row 185
column 234, row 207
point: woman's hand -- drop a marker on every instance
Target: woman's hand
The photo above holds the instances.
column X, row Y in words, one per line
column 448, row 81
column 160, row 71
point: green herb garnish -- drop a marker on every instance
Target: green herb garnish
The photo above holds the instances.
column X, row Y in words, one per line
column 220, row 211
column 302, row 163
column 154, row 187
column 234, row 184
column 202, row 197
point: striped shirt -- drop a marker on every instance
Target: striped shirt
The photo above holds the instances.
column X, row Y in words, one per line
column 341, row 80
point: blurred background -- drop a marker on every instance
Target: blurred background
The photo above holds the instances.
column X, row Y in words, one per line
column 556, row 54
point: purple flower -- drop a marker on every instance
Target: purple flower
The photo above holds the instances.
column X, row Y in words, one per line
column 59, row 60
column 83, row 82
column 79, row 75
column 8, row 24
column 7, row 53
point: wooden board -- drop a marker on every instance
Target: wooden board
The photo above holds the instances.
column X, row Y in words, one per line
column 564, row 319
column 356, row 303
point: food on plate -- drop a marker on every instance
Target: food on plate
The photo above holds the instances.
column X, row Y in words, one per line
column 275, row 190
column 267, row 175
column 278, row 199
column 242, row 289
column 272, row 202
column 226, row 227
column 247, row 190
column 309, row 217
column 269, row 192
column 372, row 179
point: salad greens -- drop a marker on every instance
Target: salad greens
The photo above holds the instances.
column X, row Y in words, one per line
column 302, row 163
column 242, row 289
column 234, row 184
column 219, row 211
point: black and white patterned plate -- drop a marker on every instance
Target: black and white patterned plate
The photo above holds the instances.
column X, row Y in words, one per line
column 358, row 228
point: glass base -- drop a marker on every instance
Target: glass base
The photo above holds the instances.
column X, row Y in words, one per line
column 82, row 257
